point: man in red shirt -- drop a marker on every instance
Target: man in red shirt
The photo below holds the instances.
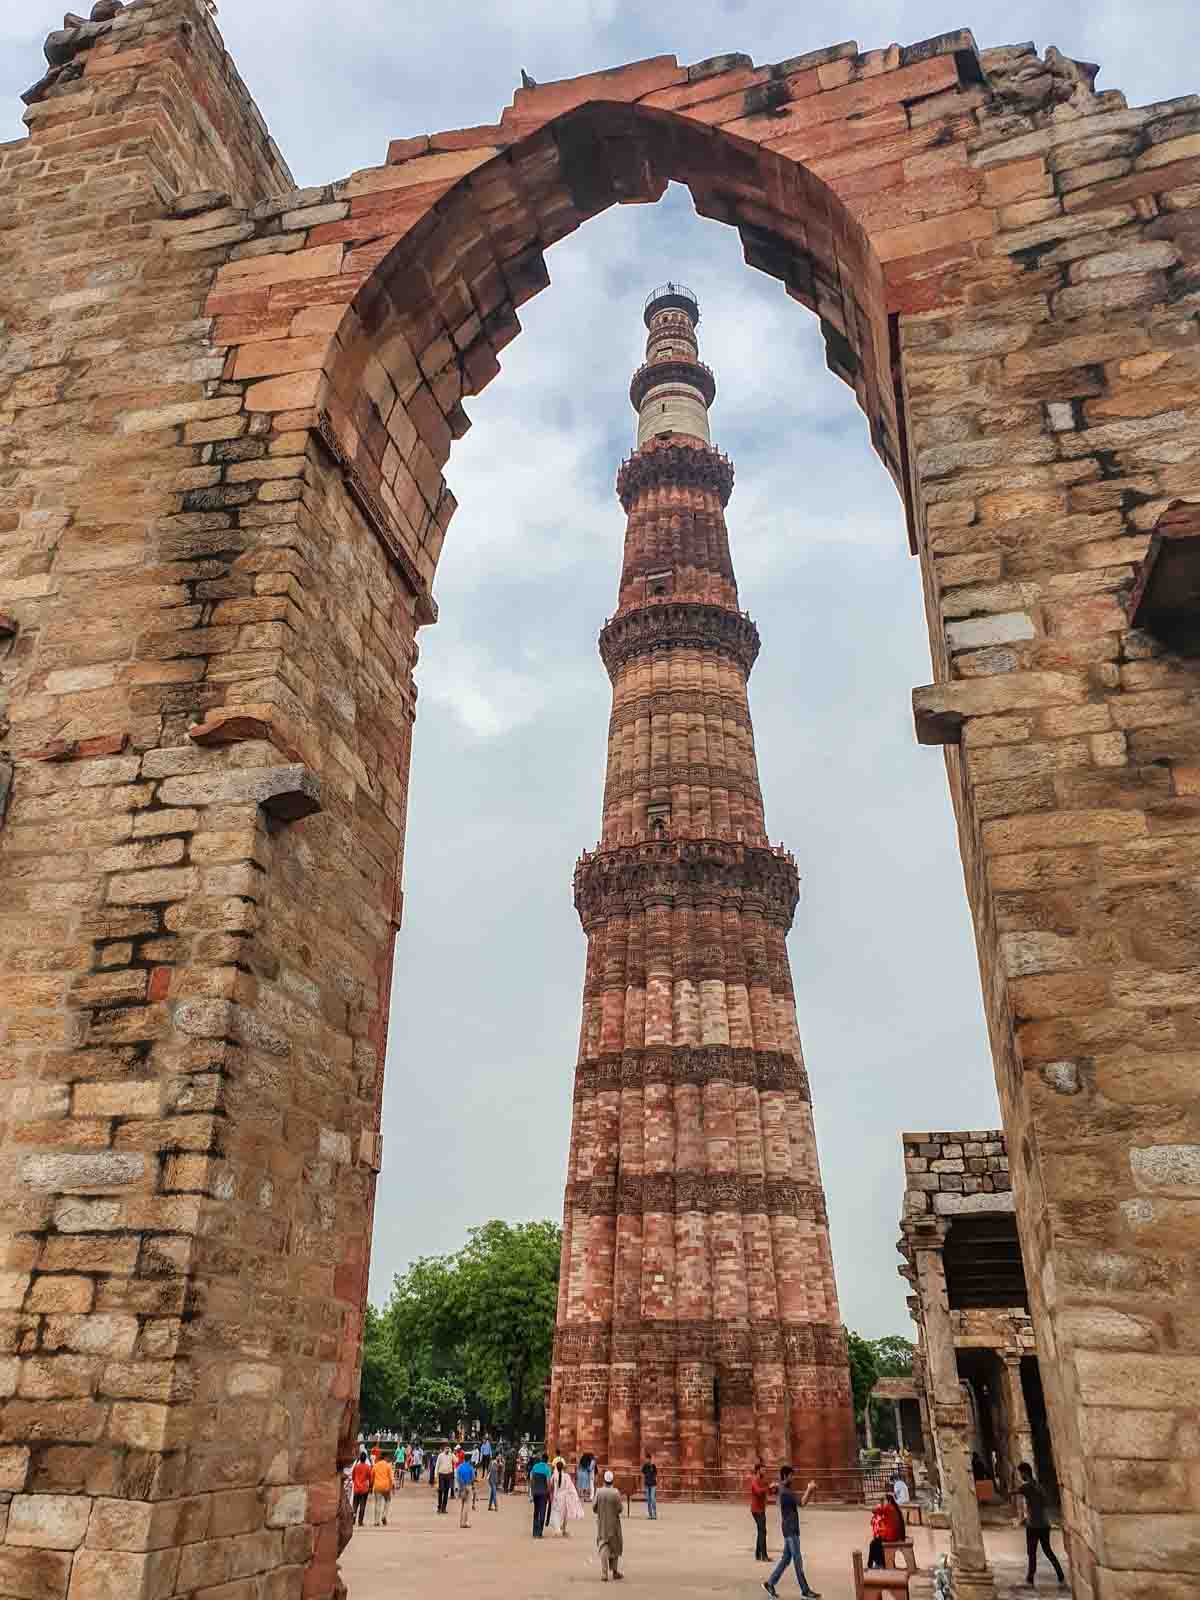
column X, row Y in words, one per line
column 759, row 1490
column 360, row 1482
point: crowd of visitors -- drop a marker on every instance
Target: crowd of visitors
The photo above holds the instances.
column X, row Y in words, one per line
column 558, row 1499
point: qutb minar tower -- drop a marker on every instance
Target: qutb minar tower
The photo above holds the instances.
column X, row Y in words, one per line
column 697, row 1315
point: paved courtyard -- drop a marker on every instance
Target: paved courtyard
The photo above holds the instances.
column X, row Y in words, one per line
column 691, row 1551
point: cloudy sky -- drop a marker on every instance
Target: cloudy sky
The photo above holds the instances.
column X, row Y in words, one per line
column 510, row 742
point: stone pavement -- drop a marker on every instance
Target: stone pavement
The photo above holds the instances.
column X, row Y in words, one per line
column 691, row 1551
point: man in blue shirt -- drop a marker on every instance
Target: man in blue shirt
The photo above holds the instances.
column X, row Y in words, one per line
column 539, row 1489
column 789, row 1526
column 465, row 1476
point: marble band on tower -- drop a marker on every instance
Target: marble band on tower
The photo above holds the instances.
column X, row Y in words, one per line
column 697, row 1317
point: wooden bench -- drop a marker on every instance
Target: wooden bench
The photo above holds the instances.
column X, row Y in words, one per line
column 899, row 1548
column 871, row 1582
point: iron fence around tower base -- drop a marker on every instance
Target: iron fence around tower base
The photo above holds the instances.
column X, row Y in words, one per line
column 853, row 1486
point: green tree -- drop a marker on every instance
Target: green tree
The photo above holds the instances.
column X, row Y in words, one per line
column 485, row 1313
column 893, row 1356
column 433, row 1405
column 384, row 1375
column 863, row 1371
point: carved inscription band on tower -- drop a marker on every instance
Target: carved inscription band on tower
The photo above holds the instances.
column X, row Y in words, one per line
column 697, row 1317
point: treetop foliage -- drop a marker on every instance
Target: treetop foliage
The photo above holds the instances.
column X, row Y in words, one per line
column 872, row 1359
column 467, row 1332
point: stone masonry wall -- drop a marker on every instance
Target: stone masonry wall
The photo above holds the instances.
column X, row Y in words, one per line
column 951, row 1174
column 194, row 981
column 222, row 508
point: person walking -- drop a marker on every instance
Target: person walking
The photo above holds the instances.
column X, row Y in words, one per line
column 789, row 1527
column 607, row 1508
column 433, row 1455
column 650, row 1479
column 510, row 1470
column 360, row 1482
column 485, row 1454
column 565, row 1504
column 760, row 1490
column 401, row 1465
column 416, row 1460
column 465, row 1473
column 583, row 1475
column 1037, row 1525
column 495, row 1464
column 539, row 1489
column 444, row 1467
column 382, row 1482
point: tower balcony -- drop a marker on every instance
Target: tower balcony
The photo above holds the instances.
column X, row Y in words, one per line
column 671, row 297
column 672, row 369
column 675, row 461
column 674, row 625
column 678, row 872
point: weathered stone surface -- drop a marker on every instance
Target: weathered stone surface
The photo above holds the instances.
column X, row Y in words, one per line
column 957, row 1204
column 48, row 1521
column 71, row 1173
column 34, row 1574
column 286, row 792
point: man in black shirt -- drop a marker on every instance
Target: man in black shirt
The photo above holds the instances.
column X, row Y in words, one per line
column 650, row 1477
column 789, row 1527
column 1037, row 1524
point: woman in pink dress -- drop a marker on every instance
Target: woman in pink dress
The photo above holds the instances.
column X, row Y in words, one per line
column 565, row 1504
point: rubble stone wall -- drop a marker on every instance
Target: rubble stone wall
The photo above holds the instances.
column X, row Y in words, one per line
column 226, row 417
column 954, row 1174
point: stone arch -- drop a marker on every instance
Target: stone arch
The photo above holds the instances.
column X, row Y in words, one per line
column 485, row 243
column 214, row 572
column 437, row 250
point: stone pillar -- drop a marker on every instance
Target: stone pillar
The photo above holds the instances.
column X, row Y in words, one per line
column 867, row 1424
column 898, row 1415
column 1020, row 1433
column 927, row 1448
column 973, row 1579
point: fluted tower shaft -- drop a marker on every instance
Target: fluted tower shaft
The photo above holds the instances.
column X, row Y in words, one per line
column 697, row 1316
